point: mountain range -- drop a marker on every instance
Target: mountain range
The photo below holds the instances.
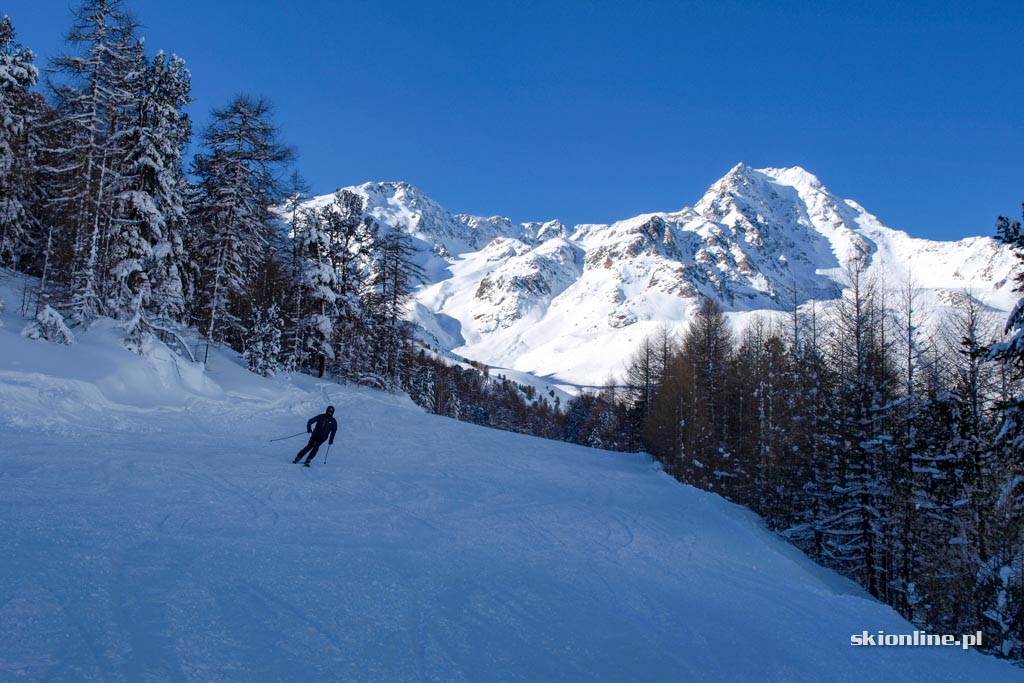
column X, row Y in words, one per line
column 570, row 304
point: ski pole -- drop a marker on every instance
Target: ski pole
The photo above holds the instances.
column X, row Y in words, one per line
column 289, row 437
column 326, row 452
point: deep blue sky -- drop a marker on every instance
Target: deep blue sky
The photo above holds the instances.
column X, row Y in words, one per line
column 597, row 111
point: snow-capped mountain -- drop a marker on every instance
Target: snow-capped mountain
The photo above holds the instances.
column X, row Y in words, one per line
column 571, row 305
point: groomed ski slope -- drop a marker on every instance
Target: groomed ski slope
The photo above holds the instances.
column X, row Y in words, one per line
column 149, row 531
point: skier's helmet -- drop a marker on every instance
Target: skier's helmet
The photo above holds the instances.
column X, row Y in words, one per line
column 330, row 410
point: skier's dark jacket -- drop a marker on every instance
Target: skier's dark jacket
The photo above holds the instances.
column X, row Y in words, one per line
column 325, row 425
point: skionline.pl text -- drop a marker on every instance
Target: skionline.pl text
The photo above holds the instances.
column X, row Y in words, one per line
column 917, row 638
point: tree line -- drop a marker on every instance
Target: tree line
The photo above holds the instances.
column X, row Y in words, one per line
column 887, row 446
column 96, row 203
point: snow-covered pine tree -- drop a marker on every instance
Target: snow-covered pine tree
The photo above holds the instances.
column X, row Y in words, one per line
column 54, row 165
column 49, row 325
column 608, row 422
column 394, row 274
column 813, row 441
column 969, row 334
column 854, row 529
column 135, row 218
column 909, row 446
column 296, row 191
column 1011, row 350
column 423, row 381
column 354, row 245
column 936, row 576
column 762, row 439
column 95, row 92
column 577, row 417
column 592, row 418
column 954, row 482
column 165, row 132
column 263, row 342
column 1001, row 578
column 999, row 587
column 447, row 397
column 237, row 173
column 319, row 287
column 18, row 106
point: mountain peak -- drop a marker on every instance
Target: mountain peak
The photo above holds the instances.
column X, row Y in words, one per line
column 739, row 169
column 744, row 176
column 794, row 176
column 570, row 303
column 391, row 188
column 766, row 194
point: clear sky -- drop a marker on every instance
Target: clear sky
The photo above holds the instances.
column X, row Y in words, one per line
column 597, row 111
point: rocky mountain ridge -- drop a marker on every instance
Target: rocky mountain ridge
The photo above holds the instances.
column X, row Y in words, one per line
column 570, row 304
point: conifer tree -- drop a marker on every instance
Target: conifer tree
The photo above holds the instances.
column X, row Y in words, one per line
column 863, row 363
column 1001, row 579
column 238, row 183
column 160, row 190
column 394, row 274
column 354, row 249
column 263, row 342
column 813, row 441
column 706, row 352
column 54, row 218
column 1011, row 350
column 910, row 447
column 96, row 94
column 762, row 439
column 319, row 285
column 49, row 325
column 126, row 244
column 296, row 191
column 18, row 144
column 647, row 367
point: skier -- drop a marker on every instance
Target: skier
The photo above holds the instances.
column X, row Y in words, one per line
column 326, row 426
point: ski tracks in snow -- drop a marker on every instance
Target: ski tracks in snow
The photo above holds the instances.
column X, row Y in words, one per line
column 176, row 543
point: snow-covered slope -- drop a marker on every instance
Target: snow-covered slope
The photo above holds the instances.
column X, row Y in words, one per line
column 571, row 305
column 151, row 532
